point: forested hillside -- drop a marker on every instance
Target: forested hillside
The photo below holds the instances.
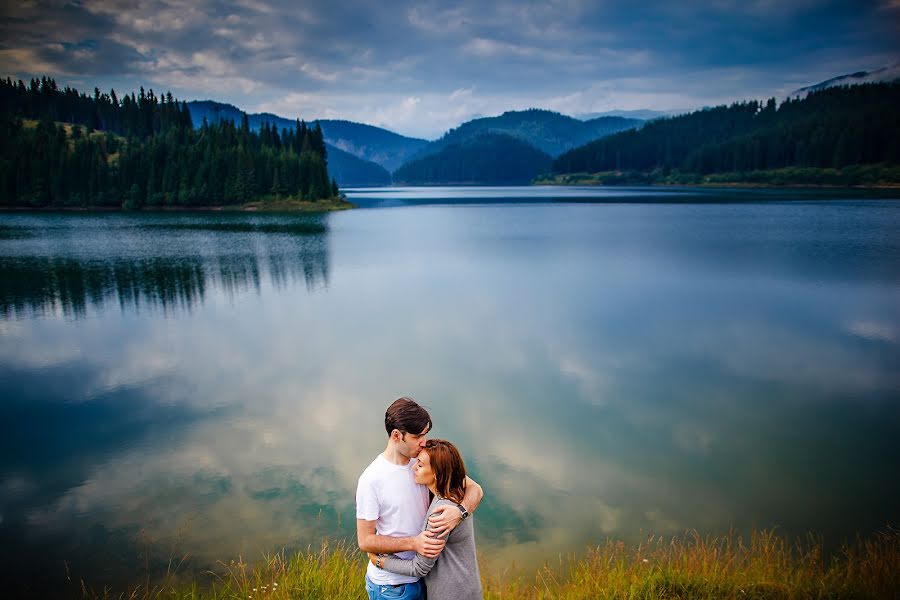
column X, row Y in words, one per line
column 366, row 142
column 350, row 170
column 546, row 130
column 831, row 128
column 62, row 148
column 484, row 159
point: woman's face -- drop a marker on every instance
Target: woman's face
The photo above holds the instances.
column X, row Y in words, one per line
column 422, row 470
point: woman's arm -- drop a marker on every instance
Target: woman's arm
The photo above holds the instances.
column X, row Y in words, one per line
column 418, row 566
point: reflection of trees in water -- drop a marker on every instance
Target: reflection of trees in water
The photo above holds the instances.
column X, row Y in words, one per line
column 45, row 285
column 285, row 269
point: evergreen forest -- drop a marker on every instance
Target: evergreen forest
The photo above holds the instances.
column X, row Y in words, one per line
column 489, row 158
column 833, row 128
column 62, row 148
column 548, row 131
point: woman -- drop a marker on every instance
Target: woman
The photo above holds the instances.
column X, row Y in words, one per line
column 453, row 575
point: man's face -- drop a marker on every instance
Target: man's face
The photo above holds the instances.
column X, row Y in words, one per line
column 411, row 444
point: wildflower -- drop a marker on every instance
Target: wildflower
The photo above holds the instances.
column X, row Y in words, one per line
column 646, row 561
column 275, row 584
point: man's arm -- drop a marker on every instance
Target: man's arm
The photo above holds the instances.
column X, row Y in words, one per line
column 473, row 496
column 445, row 518
column 425, row 543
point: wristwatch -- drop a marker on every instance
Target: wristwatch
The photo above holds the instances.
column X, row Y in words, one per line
column 465, row 513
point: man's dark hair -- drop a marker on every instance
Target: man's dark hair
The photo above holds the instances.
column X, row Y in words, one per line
column 406, row 415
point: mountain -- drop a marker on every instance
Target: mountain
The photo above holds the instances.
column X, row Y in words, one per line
column 830, row 128
column 367, row 142
column 487, row 158
column 889, row 73
column 546, row 130
column 346, row 167
column 351, row 171
column 386, row 148
column 644, row 114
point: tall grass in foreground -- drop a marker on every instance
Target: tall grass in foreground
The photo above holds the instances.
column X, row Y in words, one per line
column 688, row 567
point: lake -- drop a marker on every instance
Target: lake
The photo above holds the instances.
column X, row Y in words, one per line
column 610, row 362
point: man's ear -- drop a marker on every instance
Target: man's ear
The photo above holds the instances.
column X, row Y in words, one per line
column 396, row 435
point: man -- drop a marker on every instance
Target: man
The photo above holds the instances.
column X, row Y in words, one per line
column 390, row 506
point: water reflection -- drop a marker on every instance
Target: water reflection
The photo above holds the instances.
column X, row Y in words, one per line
column 605, row 371
column 165, row 263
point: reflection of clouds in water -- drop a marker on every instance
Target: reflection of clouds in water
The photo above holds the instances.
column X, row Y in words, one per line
column 25, row 346
column 231, row 503
column 878, row 331
column 763, row 351
column 523, row 425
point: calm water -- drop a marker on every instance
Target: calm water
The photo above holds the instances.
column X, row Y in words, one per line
column 610, row 364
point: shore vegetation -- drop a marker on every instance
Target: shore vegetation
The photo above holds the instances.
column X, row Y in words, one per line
column 62, row 149
column 873, row 176
column 692, row 566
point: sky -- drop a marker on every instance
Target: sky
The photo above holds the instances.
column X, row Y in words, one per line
column 420, row 68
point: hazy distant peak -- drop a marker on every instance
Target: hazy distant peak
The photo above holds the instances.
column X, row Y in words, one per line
column 889, row 73
column 367, row 142
column 645, row 114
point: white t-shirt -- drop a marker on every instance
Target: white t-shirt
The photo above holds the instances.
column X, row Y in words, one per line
column 388, row 494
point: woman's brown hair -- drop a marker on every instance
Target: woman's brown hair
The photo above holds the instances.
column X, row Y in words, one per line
column 449, row 469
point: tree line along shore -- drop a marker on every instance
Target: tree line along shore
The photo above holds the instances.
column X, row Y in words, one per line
column 64, row 149
column 848, row 135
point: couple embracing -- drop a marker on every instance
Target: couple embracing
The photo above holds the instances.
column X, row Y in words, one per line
column 413, row 506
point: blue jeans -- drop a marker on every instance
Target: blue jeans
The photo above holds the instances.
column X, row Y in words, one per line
column 404, row 591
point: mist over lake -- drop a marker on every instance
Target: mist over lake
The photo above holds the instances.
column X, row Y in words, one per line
column 609, row 363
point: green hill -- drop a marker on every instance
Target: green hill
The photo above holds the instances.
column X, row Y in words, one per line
column 349, row 170
column 546, row 130
column 488, row 158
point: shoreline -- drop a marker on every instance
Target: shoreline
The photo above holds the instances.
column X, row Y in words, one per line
column 688, row 566
column 316, row 206
column 882, row 176
column 713, row 184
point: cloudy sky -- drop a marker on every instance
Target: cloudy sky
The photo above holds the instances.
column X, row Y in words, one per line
column 419, row 68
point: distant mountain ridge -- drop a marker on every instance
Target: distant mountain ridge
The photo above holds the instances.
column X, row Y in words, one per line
column 547, row 131
column 884, row 74
column 644, row 114
column 381, row 146
column 348, row 168
column 367, row 142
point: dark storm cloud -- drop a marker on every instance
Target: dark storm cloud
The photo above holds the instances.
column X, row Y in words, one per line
column 424, row 66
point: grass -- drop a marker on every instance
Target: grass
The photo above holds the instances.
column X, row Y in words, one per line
column 289, row 204
column 688, row 567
